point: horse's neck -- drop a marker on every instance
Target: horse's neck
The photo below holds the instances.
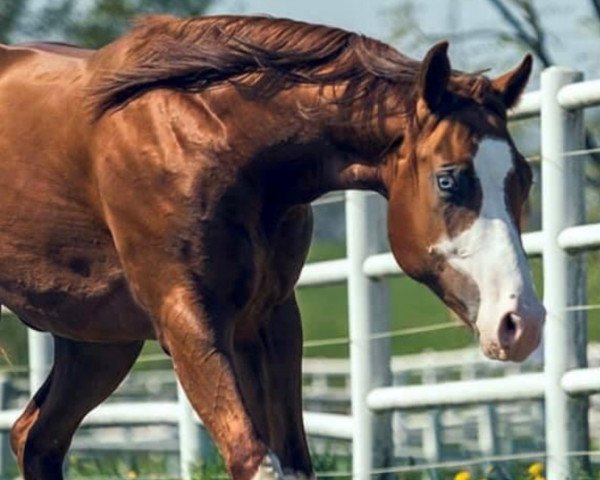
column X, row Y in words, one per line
column 299, row 172
column 309, row 155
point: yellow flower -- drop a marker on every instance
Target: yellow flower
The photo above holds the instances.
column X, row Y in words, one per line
column 536, row 470
column 463, row 475
column 131, row 475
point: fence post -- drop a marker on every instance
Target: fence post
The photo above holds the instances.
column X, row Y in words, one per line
column 487, row 437
column 432, row 430
column 195, row 445
column 189, row 435
column 368, row 311
column 5, row 453
column 562, row 207
column 41, row 352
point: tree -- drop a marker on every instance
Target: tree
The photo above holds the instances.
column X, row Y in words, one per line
column 107, row 19
column 11, row 12
column 89, row 25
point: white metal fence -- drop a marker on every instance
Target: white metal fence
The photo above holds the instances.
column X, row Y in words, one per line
column 564, row 379
column 559, row 104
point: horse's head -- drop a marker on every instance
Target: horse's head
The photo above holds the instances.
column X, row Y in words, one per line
column 456, row 191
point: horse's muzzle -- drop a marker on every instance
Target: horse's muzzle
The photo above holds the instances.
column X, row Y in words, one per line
column 517, row 335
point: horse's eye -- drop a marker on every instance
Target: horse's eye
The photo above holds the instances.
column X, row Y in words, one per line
column 446, row 181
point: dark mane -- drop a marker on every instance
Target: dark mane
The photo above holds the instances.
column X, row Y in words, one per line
column 264, row 54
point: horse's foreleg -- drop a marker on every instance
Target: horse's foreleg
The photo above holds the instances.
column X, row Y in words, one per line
column 200, row 347
column 82, row 376
column 270, row 373
column 284, row 360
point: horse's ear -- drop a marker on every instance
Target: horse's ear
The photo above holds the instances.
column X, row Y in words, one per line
column 510, row 85
column 434, row 75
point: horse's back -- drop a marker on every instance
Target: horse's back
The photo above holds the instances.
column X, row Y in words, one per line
column 59, row 48
column 25, row 54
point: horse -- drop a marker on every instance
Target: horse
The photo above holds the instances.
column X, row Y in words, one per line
column 160, row 188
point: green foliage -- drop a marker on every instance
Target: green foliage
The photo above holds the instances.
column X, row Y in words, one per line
column 107, row 19
column 11, row 12
column 142, row 466
column 91, row 25
column 210, row 471
column 332, row 462
column 119, row 465
column 325, row 463
column 13, row 341
column 593, row 294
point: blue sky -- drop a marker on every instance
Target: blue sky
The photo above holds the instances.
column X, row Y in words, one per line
column 357, row 15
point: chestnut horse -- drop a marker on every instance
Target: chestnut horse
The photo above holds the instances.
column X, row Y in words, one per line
column 159, row 188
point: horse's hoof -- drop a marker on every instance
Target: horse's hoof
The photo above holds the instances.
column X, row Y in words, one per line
column 269, row 469
column 298, row 476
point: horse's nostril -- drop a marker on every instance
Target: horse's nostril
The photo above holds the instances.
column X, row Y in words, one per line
column 508, row 330
column 514, row 335
column 509, row 325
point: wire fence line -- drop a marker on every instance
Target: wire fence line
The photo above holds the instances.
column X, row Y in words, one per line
column 317, row 343
column 389, row 334
column 418, row 330
column 568, row 154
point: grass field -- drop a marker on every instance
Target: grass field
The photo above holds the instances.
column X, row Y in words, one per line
column 325, row 313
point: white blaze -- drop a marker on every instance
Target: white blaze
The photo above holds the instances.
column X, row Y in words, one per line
column 489, row 251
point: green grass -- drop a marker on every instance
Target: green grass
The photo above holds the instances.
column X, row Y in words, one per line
column 327, row 463
column 325, row 312
column 148, row 466
column 13, row 341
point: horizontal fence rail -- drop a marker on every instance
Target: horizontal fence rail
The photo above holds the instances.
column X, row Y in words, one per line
column 526, row 386
column 129, row 414
column 330, row 272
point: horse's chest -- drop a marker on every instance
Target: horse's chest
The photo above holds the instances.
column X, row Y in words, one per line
column 268, row 277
